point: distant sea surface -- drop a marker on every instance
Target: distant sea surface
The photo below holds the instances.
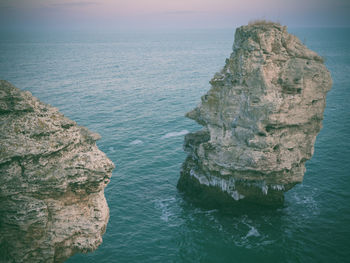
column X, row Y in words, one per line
column 134, row 89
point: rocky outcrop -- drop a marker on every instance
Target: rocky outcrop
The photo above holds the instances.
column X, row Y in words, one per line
column 260, row 117
column 52, row 180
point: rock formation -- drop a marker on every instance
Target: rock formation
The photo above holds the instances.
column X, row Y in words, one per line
column 52, row 180
column 260, row 117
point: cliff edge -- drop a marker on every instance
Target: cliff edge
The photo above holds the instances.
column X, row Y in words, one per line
column 52, row 180
column 260, row 117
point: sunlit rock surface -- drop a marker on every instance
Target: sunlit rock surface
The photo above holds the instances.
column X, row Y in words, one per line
column 52, row 180
column 260, row 117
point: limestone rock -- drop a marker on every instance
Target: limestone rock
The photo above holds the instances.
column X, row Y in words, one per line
column 52, row 180
column 260, row 117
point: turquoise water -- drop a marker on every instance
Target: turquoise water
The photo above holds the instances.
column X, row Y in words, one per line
column 134, row 89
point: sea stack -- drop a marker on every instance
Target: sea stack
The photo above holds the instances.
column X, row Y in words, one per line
column 260, row 118
column 52, row 180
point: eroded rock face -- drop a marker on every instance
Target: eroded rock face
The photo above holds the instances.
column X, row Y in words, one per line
column 260, row 117
column 52, row 180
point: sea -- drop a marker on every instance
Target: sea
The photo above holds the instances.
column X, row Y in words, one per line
column 134, row 88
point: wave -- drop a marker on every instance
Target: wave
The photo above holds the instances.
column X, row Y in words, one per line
column 174, row 134
column 135, row 142
column 111, row 149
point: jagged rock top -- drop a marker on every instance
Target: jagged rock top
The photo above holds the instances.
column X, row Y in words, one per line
column 52, row 179
column 263, row 111
column 274, row 39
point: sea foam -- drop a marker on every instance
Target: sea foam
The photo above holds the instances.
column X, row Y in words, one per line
column 252, row 232
column 174, row 134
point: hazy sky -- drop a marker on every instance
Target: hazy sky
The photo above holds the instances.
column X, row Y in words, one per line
column 170, row 13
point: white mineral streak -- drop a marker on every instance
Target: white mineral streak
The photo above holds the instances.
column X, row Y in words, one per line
column 52, row 180
column 261, row 114
column 226, row 185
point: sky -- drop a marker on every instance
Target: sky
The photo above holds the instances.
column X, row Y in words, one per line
column 126, row 14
